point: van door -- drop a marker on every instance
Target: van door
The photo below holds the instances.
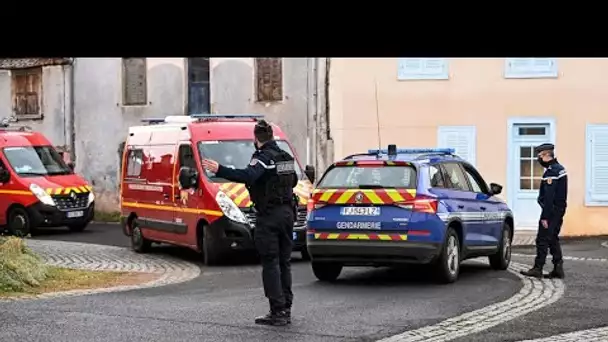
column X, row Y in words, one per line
column 4, row 197
column 186, row 199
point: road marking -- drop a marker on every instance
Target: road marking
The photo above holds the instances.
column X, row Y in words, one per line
column 591, row 335
column 534, row 295
column 605, row 244
column 564, row 257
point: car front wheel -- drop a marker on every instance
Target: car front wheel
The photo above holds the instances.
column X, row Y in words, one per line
column 502, row 258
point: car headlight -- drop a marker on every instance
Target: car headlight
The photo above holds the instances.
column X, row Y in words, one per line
column 230, row 209
column 42, row 195
column 91, row 198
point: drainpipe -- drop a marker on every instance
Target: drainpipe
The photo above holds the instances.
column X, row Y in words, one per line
column 72, row 126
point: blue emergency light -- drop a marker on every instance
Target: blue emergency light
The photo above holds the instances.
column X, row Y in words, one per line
column 414, row 150
column 153, row 121
column 227, row 116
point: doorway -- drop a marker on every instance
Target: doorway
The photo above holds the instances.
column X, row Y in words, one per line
column 524, row 171
column 199, row 99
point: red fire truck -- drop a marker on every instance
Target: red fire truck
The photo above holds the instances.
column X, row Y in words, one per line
column 166, row 196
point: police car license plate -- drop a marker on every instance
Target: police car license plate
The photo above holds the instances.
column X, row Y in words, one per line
column 74, row 214
column 361, row 211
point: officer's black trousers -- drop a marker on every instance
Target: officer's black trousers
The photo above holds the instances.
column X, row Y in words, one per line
column 548, row 239
column 273, row 241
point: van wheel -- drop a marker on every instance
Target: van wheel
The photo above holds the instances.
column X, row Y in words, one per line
column 502, row 258
column 448, row 264
column 305, row 254
column 211, row 253
column 19, row 223
column 139, row 243
column 76, row 228
column 326, row 271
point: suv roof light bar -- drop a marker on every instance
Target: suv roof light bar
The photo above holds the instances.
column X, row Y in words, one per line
column 227, row 116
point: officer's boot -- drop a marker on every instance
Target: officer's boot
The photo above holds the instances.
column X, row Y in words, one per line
column 276, row 318
column 535, row 272
column 558, row 271
column 288, row 315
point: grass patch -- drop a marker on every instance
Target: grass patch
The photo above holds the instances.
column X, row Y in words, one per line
column 23, row 273
column 102, row 216
column 65, row 279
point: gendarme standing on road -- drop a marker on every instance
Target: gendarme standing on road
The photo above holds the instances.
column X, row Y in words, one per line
column 552, row 198
column 270, row 178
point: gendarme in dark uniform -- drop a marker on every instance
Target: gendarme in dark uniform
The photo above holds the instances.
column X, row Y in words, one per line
column 552, row 198
column 270, row 178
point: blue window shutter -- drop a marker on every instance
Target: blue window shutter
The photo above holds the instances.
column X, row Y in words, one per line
column 597, row 163
column 461, row 138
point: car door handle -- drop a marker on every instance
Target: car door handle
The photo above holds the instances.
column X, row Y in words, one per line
column 460, row 206
column 166, row 196
column 482, row 208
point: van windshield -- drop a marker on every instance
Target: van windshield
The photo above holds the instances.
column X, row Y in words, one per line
column 31, row 161
column 235, row 154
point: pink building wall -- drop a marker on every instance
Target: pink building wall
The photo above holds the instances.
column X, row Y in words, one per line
column 476, row 94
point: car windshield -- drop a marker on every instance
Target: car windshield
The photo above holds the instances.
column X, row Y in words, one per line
column 235, row 154
column 36, row 161
column 370, row 177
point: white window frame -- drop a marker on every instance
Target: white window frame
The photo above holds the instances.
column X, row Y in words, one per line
column 589, row 200
column 403, row 74
column 530, row 71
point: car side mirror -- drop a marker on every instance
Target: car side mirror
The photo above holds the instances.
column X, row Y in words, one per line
column 495, row 189
column 71, row 166
column 310, row 173
column 188, row 178
column 5, row 176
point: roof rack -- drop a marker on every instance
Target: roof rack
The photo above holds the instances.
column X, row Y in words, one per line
column 255, row 117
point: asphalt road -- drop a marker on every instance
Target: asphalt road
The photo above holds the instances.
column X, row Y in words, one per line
column 364, row 305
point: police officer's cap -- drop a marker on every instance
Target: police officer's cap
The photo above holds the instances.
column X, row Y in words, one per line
column 544, row 147
column 262, row 130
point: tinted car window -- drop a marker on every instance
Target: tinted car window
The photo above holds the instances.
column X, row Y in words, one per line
column 455, row 177
column 369, row 176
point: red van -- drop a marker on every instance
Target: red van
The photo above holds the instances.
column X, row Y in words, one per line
column 166, row 197
column 37, row 188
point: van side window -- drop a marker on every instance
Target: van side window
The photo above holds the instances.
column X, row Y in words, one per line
column 186, row 157
column 436, row 177
column 135, row 159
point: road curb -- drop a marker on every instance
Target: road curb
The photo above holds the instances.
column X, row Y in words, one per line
column 95, row 257
column 102, row 222
column 534, row 295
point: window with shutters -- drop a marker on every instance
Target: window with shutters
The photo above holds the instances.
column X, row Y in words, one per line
column 422, row 69
column 530, row 68
column 461, row 138
column 134, row 82
column 597, row 165
column 269, row 79
column 27, row 93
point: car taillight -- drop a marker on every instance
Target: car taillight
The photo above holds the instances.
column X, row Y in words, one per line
column 312, row 204
column 425, row 204
column 421, row 204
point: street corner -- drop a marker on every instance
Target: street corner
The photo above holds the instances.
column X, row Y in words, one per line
column 147, row 271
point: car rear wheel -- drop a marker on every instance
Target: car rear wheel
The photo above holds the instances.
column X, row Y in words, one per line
column 502, row 258
column 19, row 223
column 139, row 243
column 448, row 263
column 326, row 271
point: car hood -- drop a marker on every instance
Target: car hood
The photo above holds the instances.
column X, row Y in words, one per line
column 239, row 194
column 60, row 184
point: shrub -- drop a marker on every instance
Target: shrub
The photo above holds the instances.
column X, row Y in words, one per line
column 19, row 266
